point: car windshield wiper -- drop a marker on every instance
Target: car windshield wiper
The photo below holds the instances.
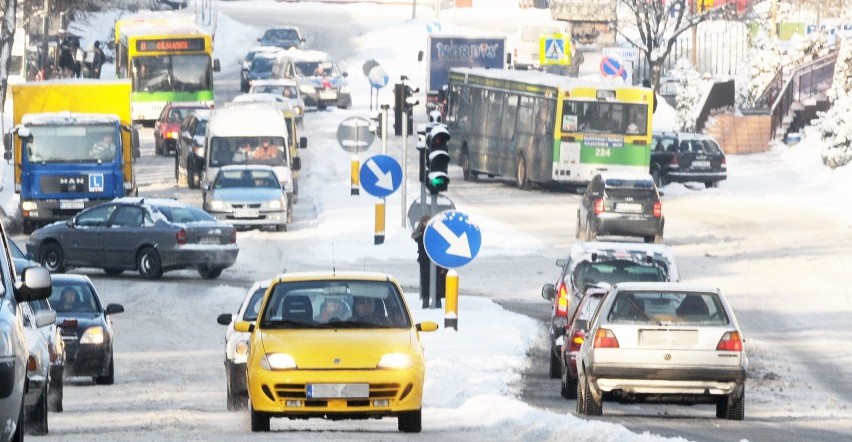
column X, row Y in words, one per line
column 287, row 323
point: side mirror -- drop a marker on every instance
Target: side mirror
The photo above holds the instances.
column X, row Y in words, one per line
column 217, row 67
column 7, row 145
column 303, row 143
column 427, row 326
column 70, row 222
column 259, row 39
column 508, row 59
column 112, row 309
column 43, row 318
column 7, row 155
column 244, row 327
column 296, row 163
column 420, row 56
column 548, row 292
column 35, row 285
column 224, row 319
column 134, row 142
column 345, row 74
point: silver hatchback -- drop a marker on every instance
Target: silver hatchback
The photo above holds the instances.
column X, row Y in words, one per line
column 663, row 342
column 249, row 196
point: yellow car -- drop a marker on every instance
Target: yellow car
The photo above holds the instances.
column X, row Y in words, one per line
column 335, row 345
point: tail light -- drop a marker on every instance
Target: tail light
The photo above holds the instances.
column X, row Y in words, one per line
column 173, row 135
column 233, row 238
column 577, row 339
column 562, row 300
column 180, row 237
column 599, row 206
column 724, row 163
column 604, row 338
column 658, row 209
column 674, row 161
column 730, row 342
column 32, row 363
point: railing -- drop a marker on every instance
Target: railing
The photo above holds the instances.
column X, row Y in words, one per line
column 808, row 80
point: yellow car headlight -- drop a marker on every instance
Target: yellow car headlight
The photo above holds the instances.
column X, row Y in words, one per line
column 93, row 335
column 241, row 348
column 396, row 361
column 277, row 361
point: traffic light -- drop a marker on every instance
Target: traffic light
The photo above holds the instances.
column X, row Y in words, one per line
column 376, row 123
column 438, row 159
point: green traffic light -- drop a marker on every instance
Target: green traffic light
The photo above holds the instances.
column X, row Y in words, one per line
column 440, row 181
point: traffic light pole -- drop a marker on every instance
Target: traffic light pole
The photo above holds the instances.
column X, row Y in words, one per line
column 433, row 269
column 403, row 186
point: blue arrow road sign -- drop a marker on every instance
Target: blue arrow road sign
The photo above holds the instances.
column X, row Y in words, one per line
column 451, row 240
column 380, row 175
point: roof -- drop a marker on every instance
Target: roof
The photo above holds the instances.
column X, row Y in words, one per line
column 68, row 118
column 665, row 286
column 305, row 55
column 274, row 82
column 149, row 200
column 333, row 276
column 540, row 78
column 265, row 48
column 584, row 249
column 242, row 121
column 636, row 176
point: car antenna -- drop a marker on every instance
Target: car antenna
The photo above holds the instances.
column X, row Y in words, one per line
column 333, row 266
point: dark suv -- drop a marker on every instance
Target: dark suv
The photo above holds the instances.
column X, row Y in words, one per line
column 34, row 285
column 679, row 157
column 601, row 264
column 189, row 158
column 621, row 204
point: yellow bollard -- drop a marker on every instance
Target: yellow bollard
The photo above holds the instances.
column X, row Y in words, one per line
column 451, row 300
column 355, row 169
column 379, row 232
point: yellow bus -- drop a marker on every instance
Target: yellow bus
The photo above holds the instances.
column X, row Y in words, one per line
column 543, row 128
column 168, row 58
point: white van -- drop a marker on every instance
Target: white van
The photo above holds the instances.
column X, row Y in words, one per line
column 527, row 42
column 231, row 128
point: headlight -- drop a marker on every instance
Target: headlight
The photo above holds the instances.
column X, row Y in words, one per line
column 93, row 335
column 277, row 361
column 298, row 110
column 274, row 204
column 306, row 89
column 217, row 205
column 241, row 348
column 29, row 205
column 344, row 89
column 396, row 361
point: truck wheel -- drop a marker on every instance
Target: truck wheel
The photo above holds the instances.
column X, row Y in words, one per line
column 52, row 258
column 150, row 266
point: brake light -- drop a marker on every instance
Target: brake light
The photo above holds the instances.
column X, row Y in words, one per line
column 562, row 300
column 172, row 135
column 730, row 342
column 180, row 237
column 604, row 338
column 577, row 339
column 658, row 209
column 32, row 363
column 724, row 163
column 674, row 161
column 233, row 237
column 599, row 206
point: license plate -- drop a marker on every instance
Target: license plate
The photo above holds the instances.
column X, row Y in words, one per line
column 246, row 213
column 628, row 207
column 209, row 240
column 701, row 164
column 72, row 204
column 328, row 95
column 327, row 391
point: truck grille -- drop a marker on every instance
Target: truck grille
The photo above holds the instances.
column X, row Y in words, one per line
column 64, row 184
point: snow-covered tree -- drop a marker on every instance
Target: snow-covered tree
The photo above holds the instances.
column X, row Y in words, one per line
column 658, row 24
column 7, row 35
column 765, row 62
column 689, row 93
column 835, row 125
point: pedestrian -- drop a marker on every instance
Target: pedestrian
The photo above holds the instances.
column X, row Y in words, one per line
column 98, row 60
column 66, row 61
column 425, row 262
column 79, row 55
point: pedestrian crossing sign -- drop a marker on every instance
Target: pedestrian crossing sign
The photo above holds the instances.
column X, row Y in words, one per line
column 554, row 49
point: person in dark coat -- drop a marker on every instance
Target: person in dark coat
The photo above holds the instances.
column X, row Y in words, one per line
column 424, row 262
column 98, row 59
column 66, row 61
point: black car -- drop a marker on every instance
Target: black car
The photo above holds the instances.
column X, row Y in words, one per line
column 32, row 284
column 623, row 205
column 189, row 157
column 151, row 235
column 601, row 264
column 680, row 157
column 86, row 327
column 284, row 37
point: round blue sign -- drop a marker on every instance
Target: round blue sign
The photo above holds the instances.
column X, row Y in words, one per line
column 380, row 175
column 451, row 240
column 378, row 77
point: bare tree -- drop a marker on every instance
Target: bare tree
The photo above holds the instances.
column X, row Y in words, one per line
column 7, row 36
column 658, row 24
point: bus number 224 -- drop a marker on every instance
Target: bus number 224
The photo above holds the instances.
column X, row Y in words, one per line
column 603, row 152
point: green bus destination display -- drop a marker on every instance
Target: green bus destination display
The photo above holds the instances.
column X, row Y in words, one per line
column 170, row 45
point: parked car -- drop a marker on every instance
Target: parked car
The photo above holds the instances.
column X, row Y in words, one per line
column 31, row 284
column 663, row 342
column 320, row 80
column 679, row 157
column 527, row 42
column 236, row 344
column 284, row 37
column 189, row 158
column 167, row 126
column 623, row 205
column 245, row 67
column 38, row 368
column 249, row 196
column 260, row 68
column 575, row 334
column 335, row 345
column 151, row 235
column 286, row 88
column 591, row 264
column 86, row 327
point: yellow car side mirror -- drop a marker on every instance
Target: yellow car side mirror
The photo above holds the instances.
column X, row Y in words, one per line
column 244, row 326
column 427, row 326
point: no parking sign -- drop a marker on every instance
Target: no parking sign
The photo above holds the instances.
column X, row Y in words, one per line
column 613, row 67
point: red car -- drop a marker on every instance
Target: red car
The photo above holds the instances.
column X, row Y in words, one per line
column 167, row 127
column 575, row 334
